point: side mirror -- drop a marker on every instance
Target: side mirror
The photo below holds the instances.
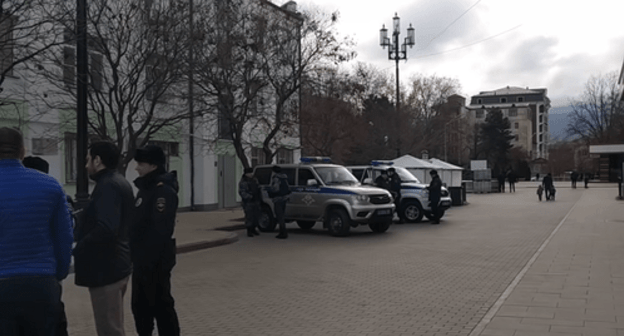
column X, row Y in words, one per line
column 368, row 180
column 311, row 183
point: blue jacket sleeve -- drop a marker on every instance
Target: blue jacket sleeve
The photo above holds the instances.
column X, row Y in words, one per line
column 62, row 237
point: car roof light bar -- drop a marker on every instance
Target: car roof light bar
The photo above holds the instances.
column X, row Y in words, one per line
column 380, row 163
column 315, row 159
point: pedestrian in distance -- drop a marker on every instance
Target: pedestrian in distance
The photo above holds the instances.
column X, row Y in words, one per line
column 43, row 166
column 35, row 243
column 102, row 253
column 547, row 182
column 249, row 191
column 501, row 182
column 152, row 245
column 573, row 179
column 511, row 177
column 382, row 180
column 279, row 191
column 540, row 191
column 435, row 193
column 394, row 183
column 586, row 180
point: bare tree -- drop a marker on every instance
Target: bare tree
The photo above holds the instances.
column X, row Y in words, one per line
column 136, row 52
column 596, row 116
column 25, row 32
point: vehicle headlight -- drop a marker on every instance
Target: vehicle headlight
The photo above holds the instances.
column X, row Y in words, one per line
column 360, row 198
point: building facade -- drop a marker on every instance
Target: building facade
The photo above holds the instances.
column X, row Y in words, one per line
column 527, row 111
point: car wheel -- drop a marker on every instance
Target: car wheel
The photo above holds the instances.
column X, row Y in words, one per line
column 306, row 225
column 411, row 212
column 338, row 222
column 266, row 222
column 379, row 227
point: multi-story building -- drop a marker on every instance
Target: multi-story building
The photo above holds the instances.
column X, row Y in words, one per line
column 50, row 127
column 527, row 111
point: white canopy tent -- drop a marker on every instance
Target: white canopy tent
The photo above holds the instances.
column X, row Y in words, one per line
column 419, row 168
column 450, row 174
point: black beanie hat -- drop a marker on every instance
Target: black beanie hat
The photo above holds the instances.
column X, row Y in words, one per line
column 151, row 154
column 36, row 163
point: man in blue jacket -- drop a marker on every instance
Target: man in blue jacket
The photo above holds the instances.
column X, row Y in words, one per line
column 35, row 243
column 102, row 253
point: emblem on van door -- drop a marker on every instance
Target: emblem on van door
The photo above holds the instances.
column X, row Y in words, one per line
column 307, row 199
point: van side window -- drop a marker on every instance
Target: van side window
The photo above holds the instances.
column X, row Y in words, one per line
column 358, row 173
column 290, row 173
column 305, row 175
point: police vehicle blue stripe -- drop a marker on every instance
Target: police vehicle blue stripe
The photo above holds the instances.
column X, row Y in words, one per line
column 323, row 190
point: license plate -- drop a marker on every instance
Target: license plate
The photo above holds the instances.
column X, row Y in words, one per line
column 384, row 212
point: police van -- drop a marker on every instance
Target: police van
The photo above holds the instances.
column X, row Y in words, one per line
column 414, row 202
column 327, row 193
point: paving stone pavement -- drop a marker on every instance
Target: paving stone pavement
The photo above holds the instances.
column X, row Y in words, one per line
column 416, row 279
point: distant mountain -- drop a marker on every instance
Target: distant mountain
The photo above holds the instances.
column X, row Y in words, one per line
column 558, row 118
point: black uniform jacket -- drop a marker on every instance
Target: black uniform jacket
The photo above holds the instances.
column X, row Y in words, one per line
column 102, row 253
column 151, row 238
column 435, row 189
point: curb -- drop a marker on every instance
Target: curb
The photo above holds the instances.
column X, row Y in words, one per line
column 201, row 245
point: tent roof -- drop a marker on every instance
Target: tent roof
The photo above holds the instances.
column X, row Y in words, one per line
column 408, row 161
column 444, row 165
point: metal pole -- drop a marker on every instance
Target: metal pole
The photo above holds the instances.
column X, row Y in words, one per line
column 398, row 98
column 82, row 64
column 191, row 112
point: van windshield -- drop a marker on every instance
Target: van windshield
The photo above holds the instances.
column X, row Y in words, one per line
column 336, row 175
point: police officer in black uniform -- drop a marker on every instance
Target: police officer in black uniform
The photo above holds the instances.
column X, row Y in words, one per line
column 152, row 244
column 435, row 193
column 249, row 190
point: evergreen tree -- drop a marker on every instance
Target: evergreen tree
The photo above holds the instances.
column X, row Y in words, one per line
column 495, row 140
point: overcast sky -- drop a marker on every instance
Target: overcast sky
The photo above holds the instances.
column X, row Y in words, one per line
column 553, row 44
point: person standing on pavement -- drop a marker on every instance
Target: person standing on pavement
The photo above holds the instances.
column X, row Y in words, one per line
column 511, row 177
column 435, row 193
column 573, row 179
column 279, row 192
column 43, row 166
column 152, row 245
column 501, row 182
column 102, row 253
column 35, row 243
column 547, row 182
column 586, row 179
column 249, row 190
column 382, row 181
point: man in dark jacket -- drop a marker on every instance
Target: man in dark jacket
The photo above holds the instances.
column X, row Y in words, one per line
column 279, row 192
column 435, row 193
column 35, row 243
column 102, row 253
column 249, row 191
column 547, row 182
column 152, row 244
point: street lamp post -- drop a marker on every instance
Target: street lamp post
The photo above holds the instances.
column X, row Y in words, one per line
column 82, row 65
column 396, row 55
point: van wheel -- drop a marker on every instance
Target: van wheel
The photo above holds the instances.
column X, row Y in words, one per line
column 411, row 212
column 266, row 222
column 338, row 222
column 306, row 225
column 379, row 227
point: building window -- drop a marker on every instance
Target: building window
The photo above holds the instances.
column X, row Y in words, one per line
column 257, row 157
column 516, row 125
column 503, row 100
column 69, row 66
column 541, row 108
column 284, row 156
column 541, row 129
column 71, row 155
column 513, row 112
column 479, row 101
column 520, row 99
column 480, row 113
column 96, row 72
column 7, row 55
column 43, row 146
column 541, row 119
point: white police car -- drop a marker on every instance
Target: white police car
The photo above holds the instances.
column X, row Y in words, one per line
column 329, row 193
column 414, row 194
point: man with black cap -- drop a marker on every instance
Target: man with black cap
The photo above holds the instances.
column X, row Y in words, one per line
column 279, row 192
column 152, row 244
column 435, row 193
column 249, row 190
